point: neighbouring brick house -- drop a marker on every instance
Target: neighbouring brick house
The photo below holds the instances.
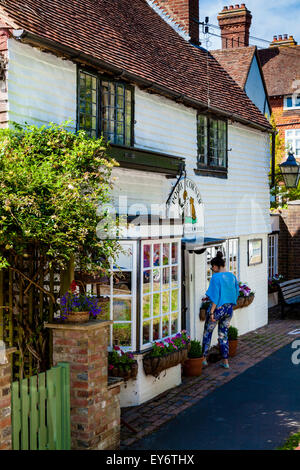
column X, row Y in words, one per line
column 281, row 68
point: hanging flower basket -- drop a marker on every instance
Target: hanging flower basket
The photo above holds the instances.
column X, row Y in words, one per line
column 155, row 365
column 248, row 300
column 128, row 372
column 240, row 303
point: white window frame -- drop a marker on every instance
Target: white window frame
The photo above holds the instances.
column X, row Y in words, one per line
column 272, row 255
column 295, row 99
column 228, row 255
column 293, row 138
column 161, row 290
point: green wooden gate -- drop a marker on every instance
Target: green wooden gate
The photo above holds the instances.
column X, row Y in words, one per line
column 41, row 410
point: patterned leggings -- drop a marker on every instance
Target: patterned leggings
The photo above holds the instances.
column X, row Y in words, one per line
column 222, row 316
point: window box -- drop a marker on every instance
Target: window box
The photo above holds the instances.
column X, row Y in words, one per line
column 155, row 365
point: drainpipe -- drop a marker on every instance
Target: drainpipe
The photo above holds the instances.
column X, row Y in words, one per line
column 274, row 133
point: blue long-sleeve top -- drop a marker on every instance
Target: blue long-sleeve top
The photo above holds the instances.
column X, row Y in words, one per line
column 223, row 289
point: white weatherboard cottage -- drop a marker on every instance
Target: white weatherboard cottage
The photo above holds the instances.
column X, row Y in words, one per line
column 167, row 271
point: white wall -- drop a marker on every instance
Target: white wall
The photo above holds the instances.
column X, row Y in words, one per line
column 235, row 206
column 41, row 87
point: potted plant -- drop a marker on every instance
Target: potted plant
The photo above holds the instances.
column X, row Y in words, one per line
column 273, row 283
column 166, row 353
column 77, row 307
column 233, row 340
column 122, row 364
column 204, row 306
column 193, row 365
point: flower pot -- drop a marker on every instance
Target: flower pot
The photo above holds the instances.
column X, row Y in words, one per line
column 193, row 367
column 120, row 371
column 232, row 347
column 202, row 314
column 78, row 317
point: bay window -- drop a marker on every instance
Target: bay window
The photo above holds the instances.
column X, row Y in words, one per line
column 105, row 107
column 142, row 293
column 160, row 290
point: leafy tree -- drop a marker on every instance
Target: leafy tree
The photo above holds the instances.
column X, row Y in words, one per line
column 51, row 183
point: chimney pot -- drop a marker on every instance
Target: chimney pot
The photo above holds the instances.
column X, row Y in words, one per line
column 235, row 26
column 280, row 37
column 285, row 36
column 274, row 38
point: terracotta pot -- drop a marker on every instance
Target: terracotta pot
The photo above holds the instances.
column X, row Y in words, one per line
column 232, row 347
column 202, row 314
column 193, row 367
column 78, row 317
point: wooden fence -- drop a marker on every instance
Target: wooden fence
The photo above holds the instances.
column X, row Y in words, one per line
column 28, row 293
column 41, row 411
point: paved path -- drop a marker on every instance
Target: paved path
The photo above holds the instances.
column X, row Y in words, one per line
column 253, row 348
column 256, row 410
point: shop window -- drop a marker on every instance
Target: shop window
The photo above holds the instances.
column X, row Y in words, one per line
column 273, row 255
column 105, row 107
column 212, row 143
column 230, row 250
column 160, row 290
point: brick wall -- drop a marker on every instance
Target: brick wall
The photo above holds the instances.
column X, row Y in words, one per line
column 5, row 399
column 289, row 242
column 95, row 407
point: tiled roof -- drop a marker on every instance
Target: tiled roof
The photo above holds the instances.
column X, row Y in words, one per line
column 130, row 35
column 236, row 61
column 281, row 67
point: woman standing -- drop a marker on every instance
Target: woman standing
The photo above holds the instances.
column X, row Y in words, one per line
column 223, row 292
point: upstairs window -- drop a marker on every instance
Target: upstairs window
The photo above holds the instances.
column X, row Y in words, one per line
column 105, row 107
column 292, row 141
column 292, row 101
column 212, row 142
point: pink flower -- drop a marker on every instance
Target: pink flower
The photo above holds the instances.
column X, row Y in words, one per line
column 110, row 367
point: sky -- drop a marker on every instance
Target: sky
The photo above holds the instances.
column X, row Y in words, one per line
column 269, row 18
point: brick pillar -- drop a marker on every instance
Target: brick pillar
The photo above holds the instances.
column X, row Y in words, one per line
column 5, row 399
column 289, row 241
column 95, row 408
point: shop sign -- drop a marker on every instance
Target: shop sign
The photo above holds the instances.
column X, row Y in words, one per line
column 186, row 202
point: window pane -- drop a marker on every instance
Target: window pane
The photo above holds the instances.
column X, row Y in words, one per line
column 174, row 300
column 88, row 103
column 156, row 305
column 156, row 255
column 213, row 142
column 174, row 276
column 289, row 102
column 202, row 139
column 122, row 283
column 174, row 323
column 146, row 332
column 165, row 326
column 156, row 324
column 122, row 334
column 174, row 253
column 146, row 306
column 147, row 254
column 166, row 253
column 146, row 281
column 116, row 113
column 156, row 279
column 122, row 309
column 166, row 302
column 166, row 278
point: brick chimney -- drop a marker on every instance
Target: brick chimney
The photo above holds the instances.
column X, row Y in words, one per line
column 235, row 22
column 183, row 12
column 283, row 41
